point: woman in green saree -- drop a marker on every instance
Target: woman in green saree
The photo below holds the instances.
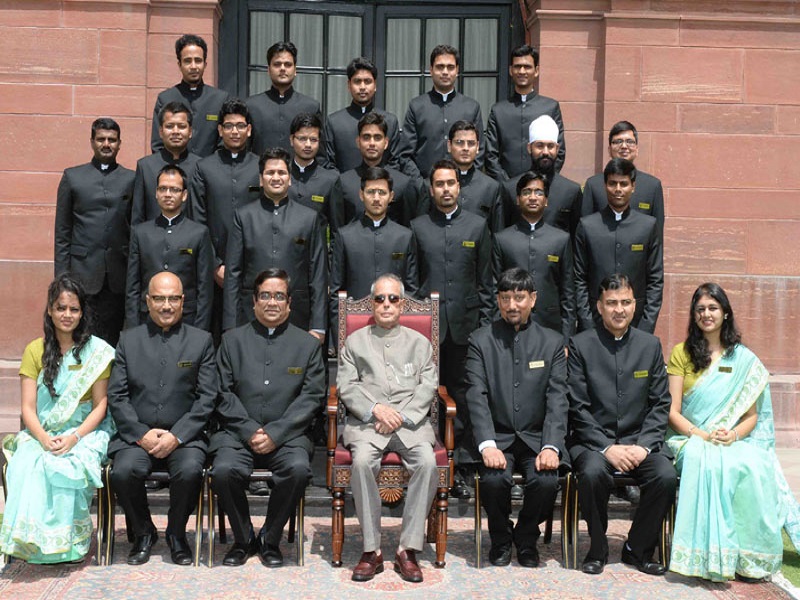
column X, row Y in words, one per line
column 733, row 499
column 54, row 463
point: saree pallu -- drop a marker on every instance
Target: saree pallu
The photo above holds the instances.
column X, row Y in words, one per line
column 733, row 500
column 47, row 516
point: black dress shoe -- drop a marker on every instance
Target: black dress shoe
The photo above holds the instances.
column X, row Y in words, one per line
column 528, row 557
column 517, row 493
column 500, row 555
column 649, row 568
column 259, row 488
column 239, row 553
column 593, row 567
column 746, row 579
column 460, row 490
column 180, row 553
column 142, row 545
column 270, row 556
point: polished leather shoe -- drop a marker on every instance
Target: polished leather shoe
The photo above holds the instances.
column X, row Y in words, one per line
column 259, row 488
column 405, row 563
column 500, row 555
column 528, row 557
column 239, row 553
column 370, row 564
column 746, row 579
column 460, row 490
column 649, row 568
column 270, row 556
column 142, row 545
column 593, row 567
column 179, row 550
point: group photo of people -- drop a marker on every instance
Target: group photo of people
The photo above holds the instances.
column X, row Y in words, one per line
column 192, row 327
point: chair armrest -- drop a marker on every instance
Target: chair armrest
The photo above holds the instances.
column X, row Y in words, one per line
column 332, row 410
column 448, row 411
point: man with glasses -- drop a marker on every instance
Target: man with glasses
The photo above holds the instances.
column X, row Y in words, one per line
column 274, row 109
column 272, row 383
column 480, row 194
column 277, row 232
column 311, row 182
column 175, row 129
column 204, row 100
column 171, row 242
column 623, row 142
column 507, row 129
column 161, row 393
column 387, row 381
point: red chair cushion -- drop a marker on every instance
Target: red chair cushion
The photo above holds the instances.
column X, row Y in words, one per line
column 420, row 323
column 343, row 457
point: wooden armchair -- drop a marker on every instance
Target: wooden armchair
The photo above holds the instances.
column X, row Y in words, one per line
column 422, row 316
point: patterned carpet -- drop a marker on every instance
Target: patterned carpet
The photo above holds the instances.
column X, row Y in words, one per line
column 318, row 579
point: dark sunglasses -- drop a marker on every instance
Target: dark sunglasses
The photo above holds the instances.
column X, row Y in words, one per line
column 381, row 298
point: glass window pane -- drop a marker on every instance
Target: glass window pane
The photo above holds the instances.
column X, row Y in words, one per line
column 344, row 40
column 399, row 92
column 439, row 31
column 480, row 51
column 484, row 90
column 259, row 82
column 338, row 94
column 266, row 28
column 402, row 44
column 306, row 33
column 310, row 85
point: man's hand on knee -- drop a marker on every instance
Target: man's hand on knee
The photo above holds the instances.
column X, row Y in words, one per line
column 620, row 458
column 167, row 442
column 493, row 458
column 546, row 460
column 150, row 439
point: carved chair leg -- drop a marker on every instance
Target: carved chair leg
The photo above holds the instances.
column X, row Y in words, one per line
column 432, row 524
column 441, row 529
column 337, row 526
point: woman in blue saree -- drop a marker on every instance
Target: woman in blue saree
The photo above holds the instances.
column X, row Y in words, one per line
column 733, row 499
column 54, row 463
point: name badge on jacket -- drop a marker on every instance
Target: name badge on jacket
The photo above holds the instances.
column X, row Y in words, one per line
column 212, row 117
column 319, row 199
column 188, row 251
column 552, row 258
column 468, row 244
column 398, row 255
column 641, row 374
column 295, row 370
column 185, row 363
column 637, row 247
column 536, row 364
column 644, row 206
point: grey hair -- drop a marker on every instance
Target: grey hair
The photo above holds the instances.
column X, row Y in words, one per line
column 391, row 277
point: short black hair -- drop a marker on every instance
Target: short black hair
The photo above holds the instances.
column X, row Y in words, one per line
column 175, row 108
column 170, row 169
column 278, row 47
column 305, row 120
column 444, row 163
column 526, row 50
column 105, row 123
column 362, row 63
column 515, row 279
column 375, row 174
column 621, row 126
column 272, row 273
column 373, row 118
column 445, row 49
column 529, row 176
column 234, row 106
column 273, row 154
column 619, row 166
column 615, row 281
column 462, row 125
column 190, row 39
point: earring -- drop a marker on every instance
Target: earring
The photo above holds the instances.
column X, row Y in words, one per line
column 725, row 317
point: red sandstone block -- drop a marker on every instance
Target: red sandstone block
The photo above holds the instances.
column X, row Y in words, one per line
column 179, row 20
column 564, row 5
column 119, row 101
column 772, row 76
column 135, row 141
column 31, row 13
column 572, row 74
column 71, row 56
column 581, row 32
column 788, row 119
column 50, row 143
column 679, row 159
column 122, row 57
column 581, row 156
column 686, row 74
column 580, row 116
column 32, row 98
column 727, row 118
column 733, row 34
column 744, row 204
column 623, row 65
column 22, row 299
column 642, row 31
column 705, row 246
column 772, row 248
column 27, row 231
column 162, row 65
column 10, row 398
column 105, row 15
column 645, row 116
column 33, row 187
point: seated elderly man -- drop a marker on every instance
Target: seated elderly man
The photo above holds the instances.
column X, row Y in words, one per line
column 387, row 380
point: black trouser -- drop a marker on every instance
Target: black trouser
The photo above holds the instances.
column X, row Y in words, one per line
column 109, row 313
column 452, row 375
column 657, row 481
column 232, row 468
column 541, row 488
column 131, row 467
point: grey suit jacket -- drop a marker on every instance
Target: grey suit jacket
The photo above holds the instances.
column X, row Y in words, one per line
column 387, row 366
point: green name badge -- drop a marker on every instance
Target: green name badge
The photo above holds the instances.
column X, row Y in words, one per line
column 319, row 199
column 536, row 364
column 185, row 363
column 644, row 206
column 188, row 251
column 468, row 244
column 637, row 247
column 212, row 117
column 295, row 370
column 398, row 255
column 641, row 374
column 552, row 258
column 726, row 369
column 75, row 367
